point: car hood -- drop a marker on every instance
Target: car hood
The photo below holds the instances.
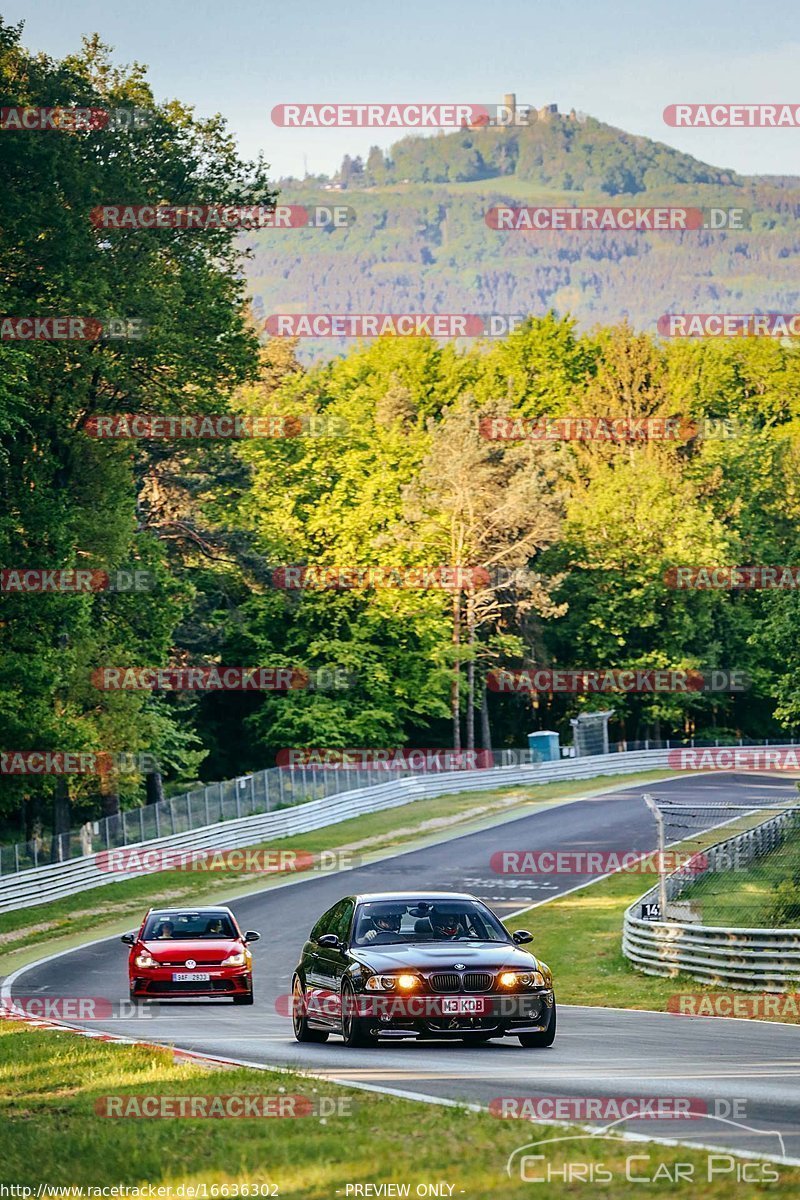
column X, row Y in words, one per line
column 202, row 950
column 443, row 957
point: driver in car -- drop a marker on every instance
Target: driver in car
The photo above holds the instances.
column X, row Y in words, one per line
column 446, row 926
column 166, row 930
column 385, row 927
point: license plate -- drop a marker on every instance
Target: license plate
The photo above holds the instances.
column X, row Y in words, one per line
column 189, row 976
column 463, row 1005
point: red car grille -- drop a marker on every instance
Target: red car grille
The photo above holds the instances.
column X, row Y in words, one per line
column 204, row 985
column 200, row 966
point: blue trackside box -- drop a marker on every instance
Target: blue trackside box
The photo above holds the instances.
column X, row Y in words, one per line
column 544, row 746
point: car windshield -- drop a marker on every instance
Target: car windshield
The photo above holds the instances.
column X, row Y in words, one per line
column 383, row 922
column 165, row 926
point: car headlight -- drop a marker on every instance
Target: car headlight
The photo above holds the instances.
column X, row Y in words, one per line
column 389, row 983
column 513, row 979
column 234, row 960
column 380, row 983
column 145, row 960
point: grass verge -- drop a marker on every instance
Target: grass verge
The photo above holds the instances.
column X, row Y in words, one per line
column 765, row 895
column 28, row 933
column 53, row 1135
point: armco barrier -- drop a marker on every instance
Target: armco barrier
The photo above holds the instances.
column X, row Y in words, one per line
column 245, row 796
column 764, row 960
column 51, row 882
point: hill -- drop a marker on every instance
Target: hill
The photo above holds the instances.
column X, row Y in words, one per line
column 421, row 243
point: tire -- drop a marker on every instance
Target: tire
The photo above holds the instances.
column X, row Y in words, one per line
column 302, row 1032
column 135, row 997
column 355, row 1030
column 546, row 1038
column 246, row 998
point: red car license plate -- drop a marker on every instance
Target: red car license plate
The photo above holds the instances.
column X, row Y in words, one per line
column 464, row 1006
column 189, row 976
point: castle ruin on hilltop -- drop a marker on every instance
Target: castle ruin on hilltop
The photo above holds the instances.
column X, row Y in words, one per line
column 510, row 114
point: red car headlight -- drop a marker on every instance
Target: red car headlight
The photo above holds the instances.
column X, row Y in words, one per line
column 145, row 959
column 238, row 959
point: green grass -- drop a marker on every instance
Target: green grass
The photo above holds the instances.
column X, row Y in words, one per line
column 747, row 898
column 115, row 907
column 51, row 1082
column 580, row 937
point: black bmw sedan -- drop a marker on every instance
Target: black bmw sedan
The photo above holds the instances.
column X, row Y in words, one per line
column 407, row 965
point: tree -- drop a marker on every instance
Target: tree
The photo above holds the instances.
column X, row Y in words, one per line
column 67, row 499
column 495, row 509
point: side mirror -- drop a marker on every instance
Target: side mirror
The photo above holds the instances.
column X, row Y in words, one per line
column 250, row 936
column 520, row 936
column 329, row 941
column 129, row 939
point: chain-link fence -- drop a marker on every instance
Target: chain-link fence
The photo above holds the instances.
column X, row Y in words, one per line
column 247, row 795
column 752, row 880
column 266, row 791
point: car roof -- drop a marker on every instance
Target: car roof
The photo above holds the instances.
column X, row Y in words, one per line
column 420, row 894
column 197, row 908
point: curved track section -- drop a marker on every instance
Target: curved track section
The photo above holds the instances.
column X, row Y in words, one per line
column 747, row 1073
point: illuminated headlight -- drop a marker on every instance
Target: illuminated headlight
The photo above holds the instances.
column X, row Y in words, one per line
column 234, row 960
column 388, row 983
column 145, row 960
column 513, row 979
column 407, row 982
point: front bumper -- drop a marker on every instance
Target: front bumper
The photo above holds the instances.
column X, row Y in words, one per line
column 432, row 1016
column 159, row 984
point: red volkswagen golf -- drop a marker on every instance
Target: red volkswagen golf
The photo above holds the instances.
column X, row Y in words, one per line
column 190, row 952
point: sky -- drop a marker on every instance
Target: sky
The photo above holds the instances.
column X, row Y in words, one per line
column 621, row 61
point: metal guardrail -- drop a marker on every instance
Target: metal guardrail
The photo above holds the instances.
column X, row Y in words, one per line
column 56, row 880
column 744, row 959
column 259, row 792
column 246, row 795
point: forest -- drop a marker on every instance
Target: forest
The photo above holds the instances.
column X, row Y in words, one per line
column 453, row 554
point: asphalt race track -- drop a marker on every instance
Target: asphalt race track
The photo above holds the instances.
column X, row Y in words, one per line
column 598, row 1052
